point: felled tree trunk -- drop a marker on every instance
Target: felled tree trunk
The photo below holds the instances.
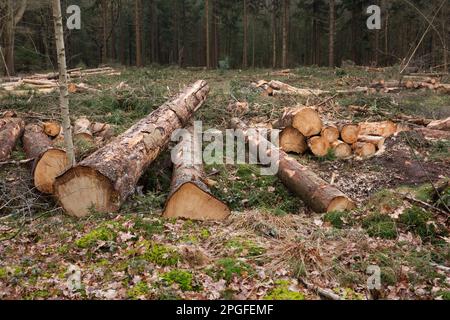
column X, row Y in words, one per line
column 314, row 191
column 349, row 133
column 330, row 133
column 10, row 131
column 383, row 129
column 341, row 149
column 434, row 134
column 364, row 149
column 82, row 131
column 52, row 129
column 190, row 197
column 440, row 125
column 319, row 146
column 106, row 178
column 304, row 119
column 291, row 140
column 48, row 163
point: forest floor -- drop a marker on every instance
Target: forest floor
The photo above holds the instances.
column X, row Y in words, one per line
column 272, row 244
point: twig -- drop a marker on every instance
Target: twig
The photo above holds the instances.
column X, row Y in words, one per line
column 426, row 205
column 16, row 162
column 325, row 293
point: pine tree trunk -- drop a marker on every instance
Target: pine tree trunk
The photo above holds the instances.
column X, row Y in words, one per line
column 285, row 33
column 106, row 178
column 332, row 34
column 245, row 44
column 274, row 35
column 138, row 21
column 208, row 44
column 64, row 93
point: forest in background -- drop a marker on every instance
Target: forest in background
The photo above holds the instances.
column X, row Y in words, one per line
column 227, row 33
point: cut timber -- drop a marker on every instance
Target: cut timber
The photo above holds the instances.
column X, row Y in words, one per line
column 440, row 125
column 364, row 149
column 52, row 129
column 341, row 149
column 102, row 130
column 109, row 176
column 314, row 191
column 377, row 141
column 304, row 119
column 284, row 88
column 10, row 131
column 190, row 197
column 82, row 131
column 434, row 134
column 291, row 140
column 49, row 163
column 383, row 129
column 319, row 146
column 330, row 133
column 349, row 133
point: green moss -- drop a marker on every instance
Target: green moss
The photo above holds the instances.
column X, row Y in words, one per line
column 420, row 222
column 182, row 278
column 161, row 255
column 282, row 292
column 229, row 267
column 384, row 201
column 445, row 295
column 338, row 219
column 380, row 226
column 104, row 233
column 150, row 228
column 3, row 273
column 243, row 247
column 138, row 291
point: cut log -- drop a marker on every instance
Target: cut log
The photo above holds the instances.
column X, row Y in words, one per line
column 319, row 146
column 105, row 179
column 330, row 133
column 364, row 149
column 11, row 130
column 304, row 119
column 349, row 133
column 291, row 140
column 377, row 141
column 284, row 88
column 440, row 125
column 314, row 191
column 102, row 130
column 383, row 129
column 9, row 114
column 52, row 129
column 434, row 134
column 82, row 131
column 48, row 163
column 190, row 197
column 341, row 149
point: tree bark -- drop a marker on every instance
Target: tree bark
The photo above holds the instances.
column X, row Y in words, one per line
column 208, row 44
column 285, row 33
column 138, row 22
column 108, row 177
column 245, row 44
column 48, row 163
column 190, row 197
column 274, row 34
column 332, row 31
column 314, row 191
column 64, row 93
column 10, row 131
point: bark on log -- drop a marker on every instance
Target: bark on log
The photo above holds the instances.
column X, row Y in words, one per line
column 434, row 134
column 440, row 125
column 314, row 191
column 106, row 178
column 48, row 162
column 190, row 197
column 11, row 130
column 291, row 140
column 341, row 149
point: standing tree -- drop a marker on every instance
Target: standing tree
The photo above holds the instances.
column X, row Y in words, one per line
column 208, row 45
column 138, row 21
column 245, row 48
column 64, row 92
column 285, row 33
column 12, row 12
column 332, row 34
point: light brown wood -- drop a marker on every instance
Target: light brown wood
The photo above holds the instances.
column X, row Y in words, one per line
column 291, row 140
column 190, row 197
column 434, row 134
column 319, row 146
column 105, row 179
column 82, row 131
column 377, row 141
column 52, row 129
column 103, row 130
column 383, row 129
column 330, row 133
column 364, row 149
column 314, row 191
column 284, row 88
column 11, row 130
column 48, row 163
column 349, row 133
column 304, row 119
column 341, row 149
column 443, row 124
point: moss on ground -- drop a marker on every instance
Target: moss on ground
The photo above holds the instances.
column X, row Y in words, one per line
column 380, row 225
column 282, row 292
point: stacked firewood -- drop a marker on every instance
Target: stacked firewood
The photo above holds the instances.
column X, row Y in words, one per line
column 48, row 83
column 302, row 129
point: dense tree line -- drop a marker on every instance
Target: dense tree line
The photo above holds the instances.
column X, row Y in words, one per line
column 227, row 33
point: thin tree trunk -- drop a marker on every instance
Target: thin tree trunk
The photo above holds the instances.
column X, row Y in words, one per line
column 332, row 34
column 274, row 36
column 138, row 21
column 113, row 32
column 445, row 37
column 208, row 45
column 245, row 47
column 285, row 33
column 254, row 42
column 64, row 93
column 104, row 6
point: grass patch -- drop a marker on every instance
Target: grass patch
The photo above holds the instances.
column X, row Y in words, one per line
column 420, row 222
column 138, row 291
column 161, row 255
column 183, row 279
column 282, row 292
column 104, row 233
column 338, row 219
column 380, row 225
column 229, row 268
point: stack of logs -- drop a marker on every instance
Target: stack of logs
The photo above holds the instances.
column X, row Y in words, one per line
column 48, row 83
column 302, row 129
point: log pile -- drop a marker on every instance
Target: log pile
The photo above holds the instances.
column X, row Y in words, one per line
column 410, row 83
column 48, row 83
column 302, row 129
